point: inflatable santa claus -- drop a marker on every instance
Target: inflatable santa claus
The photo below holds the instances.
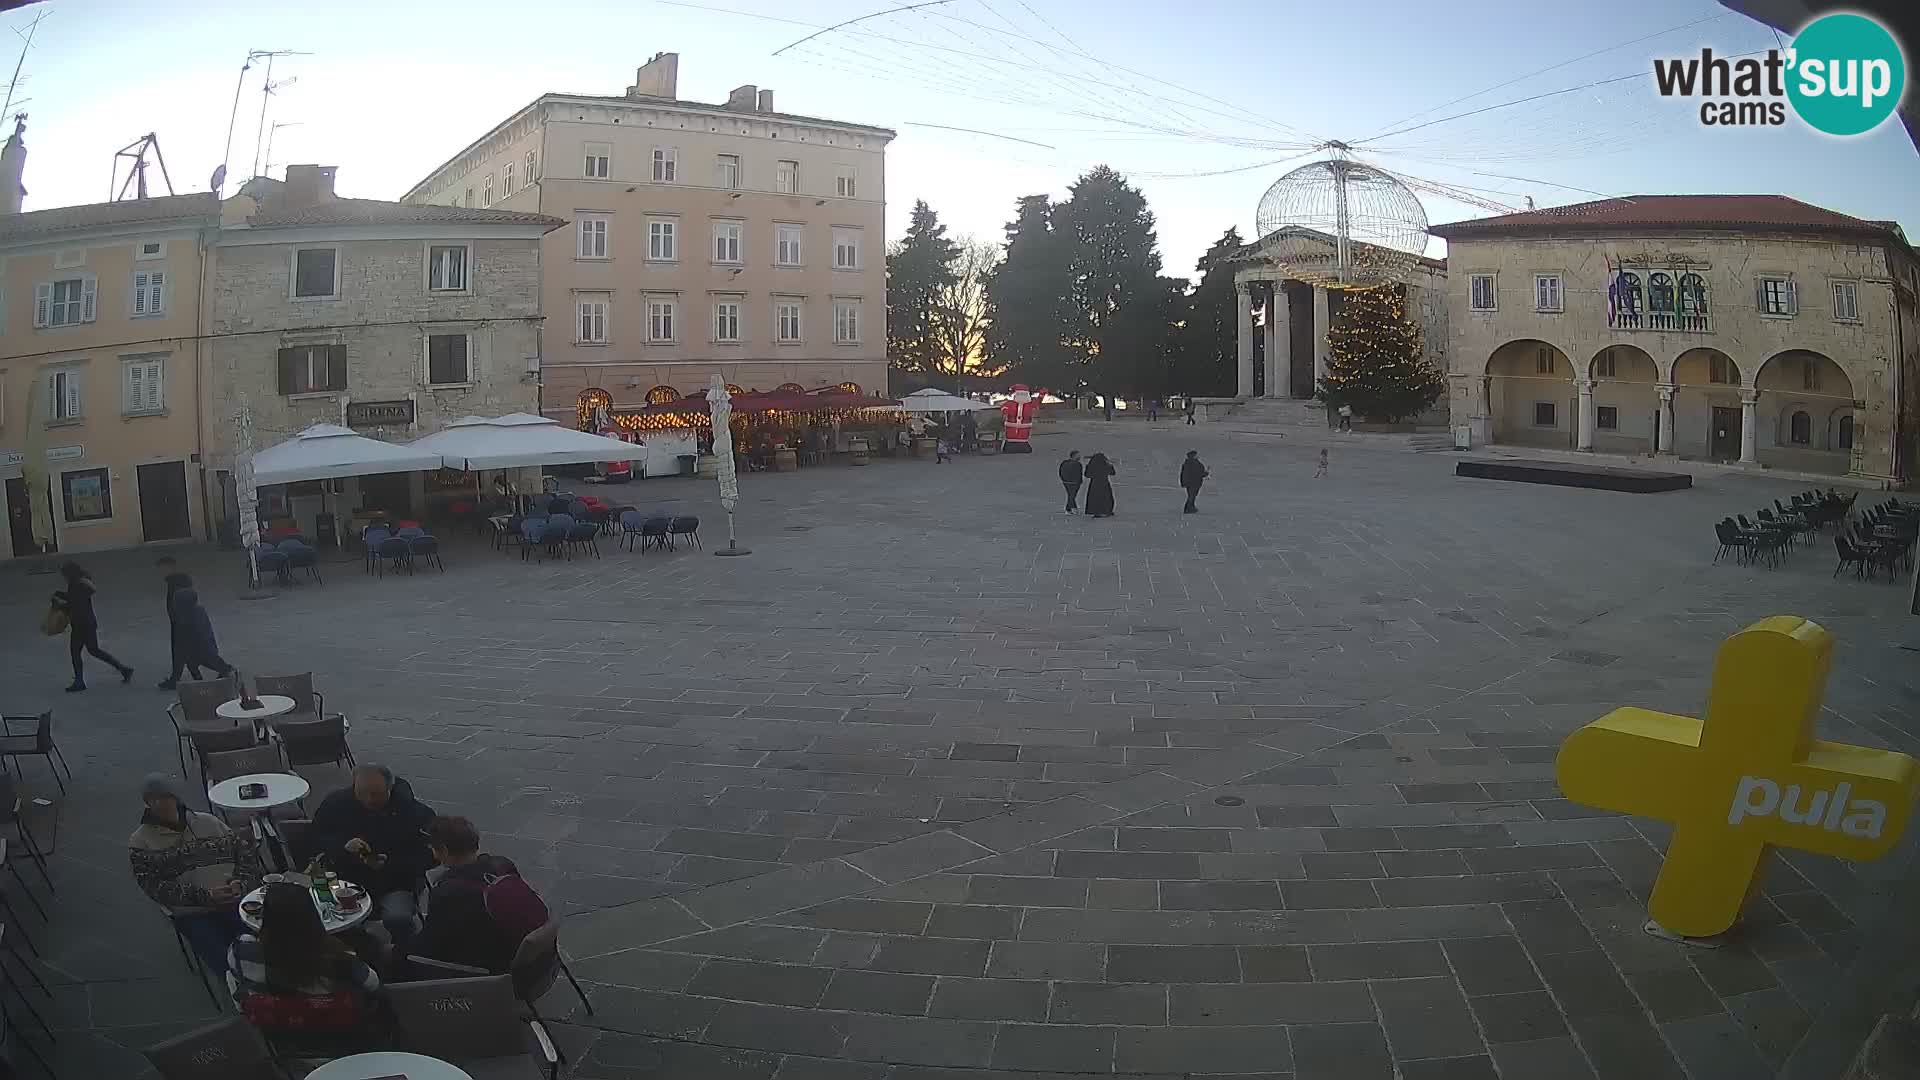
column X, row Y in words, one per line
column 1018, row 412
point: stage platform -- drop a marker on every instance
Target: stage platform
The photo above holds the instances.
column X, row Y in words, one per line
column 1568, row 474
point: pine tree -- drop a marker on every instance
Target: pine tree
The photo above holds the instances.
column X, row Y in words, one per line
column 919, row 270
column 1209, row 341
column 1112, row 261
column 1026, row 299
column 1373, row 358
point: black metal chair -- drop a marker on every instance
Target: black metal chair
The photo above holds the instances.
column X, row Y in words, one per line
column 13, row 811
column 1732, row 541
column 425, row 549
column 654, row 531
column 319, row 741
column 210, row 741
column 37, row 743
column 392, row 555
column 475, row 1023
column 1849, row 556
column 192, row 960
column 301, row 556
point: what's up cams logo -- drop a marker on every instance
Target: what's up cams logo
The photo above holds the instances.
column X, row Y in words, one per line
column 1843, row 75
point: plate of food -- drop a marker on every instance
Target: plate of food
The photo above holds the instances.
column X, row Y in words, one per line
column 252, row 908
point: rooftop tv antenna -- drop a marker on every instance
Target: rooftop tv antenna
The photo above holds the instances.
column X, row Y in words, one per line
column 267, row 89
column 137, row 175
column 267, row 166
column 13, row 85
column 219, row 181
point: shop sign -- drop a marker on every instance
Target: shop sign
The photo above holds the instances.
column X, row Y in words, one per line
column 379, row 413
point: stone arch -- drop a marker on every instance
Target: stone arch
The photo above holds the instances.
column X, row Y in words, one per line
column 1626, row 405
column 1630, row 363
column 1698, row 366
column 1804, row 372
column 1530, row 393
column 1804, row 404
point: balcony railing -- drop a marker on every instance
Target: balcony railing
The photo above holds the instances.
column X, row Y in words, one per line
column 1686, row 322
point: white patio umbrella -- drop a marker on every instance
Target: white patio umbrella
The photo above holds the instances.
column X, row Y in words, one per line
column 518, row 441
column 328, row 451
column 932, row 400
column 321, row 452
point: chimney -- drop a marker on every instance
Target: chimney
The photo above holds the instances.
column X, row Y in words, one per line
column 744, row 98
column 308, row 185
column 657, row 78
column 13, row 165
column 766, row 101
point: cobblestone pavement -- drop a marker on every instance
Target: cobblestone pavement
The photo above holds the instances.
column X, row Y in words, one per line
column 942, row 783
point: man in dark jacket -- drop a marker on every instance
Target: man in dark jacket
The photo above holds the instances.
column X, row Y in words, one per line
column 459, row 927
column 374, row 835
column 1192, row 475
column 1071, row 474
column 193, row 642
column 175, row 582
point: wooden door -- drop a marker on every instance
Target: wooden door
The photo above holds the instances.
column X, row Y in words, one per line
column 1723, row 439
column 164, row 514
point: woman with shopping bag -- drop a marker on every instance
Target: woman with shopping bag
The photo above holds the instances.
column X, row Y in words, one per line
column 83, row 626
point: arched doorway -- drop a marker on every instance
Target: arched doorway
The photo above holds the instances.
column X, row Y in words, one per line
column 1709, row 418
column 1626, row 407
column 1804, row 413
column 1530, row 395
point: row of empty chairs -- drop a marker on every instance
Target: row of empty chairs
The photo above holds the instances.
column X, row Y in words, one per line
column 402, row 549
column 286, row 556
column 1881, row 538
column 659, row 530
column 1778, row 528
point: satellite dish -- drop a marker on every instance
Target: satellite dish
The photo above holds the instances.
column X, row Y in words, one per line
column 219, row 179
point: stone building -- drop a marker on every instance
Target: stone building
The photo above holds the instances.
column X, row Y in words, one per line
column 99, row 316
column 1284, row 321
column 1752, row 328
column 704, row 238
column 389, row 319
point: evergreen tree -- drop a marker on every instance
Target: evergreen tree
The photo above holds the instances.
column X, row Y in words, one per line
column 1209, row 341
column 1144, row 342
column 1373, row 358
column 1112, row 261
column 919, row 270
column 1026, row 300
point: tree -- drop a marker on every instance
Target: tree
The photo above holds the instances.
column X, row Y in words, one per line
column 1111, row 262
column 1026, row 299
column 1373, row 358
column 1209, row 341
column 960, row 320
column 918, row 268
column 1144, row 342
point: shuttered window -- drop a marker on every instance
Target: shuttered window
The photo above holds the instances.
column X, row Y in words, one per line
column 447, row 360
column 144, row 386
column 149, row 292
column 313, row 369
column 68, row 302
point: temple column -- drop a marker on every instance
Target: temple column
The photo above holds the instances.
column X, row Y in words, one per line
column 1749, row 438
column 1583, row 429
column 1665, row 425
column 1321, row 323
column 1243, row 297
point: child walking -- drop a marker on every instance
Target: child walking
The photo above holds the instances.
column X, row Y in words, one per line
column 942, row 450
column 1321, row 470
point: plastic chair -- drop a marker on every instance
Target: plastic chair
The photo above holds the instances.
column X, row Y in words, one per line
column 302, row 556
column 686, row 526
column 631, row 525
column 425, row 548
column 533, row 536
column 559, row 533
column 653, row 531
column 272, row 560
column 585, row 534
column 37, row 743
column 370, row 540
column 408, row 532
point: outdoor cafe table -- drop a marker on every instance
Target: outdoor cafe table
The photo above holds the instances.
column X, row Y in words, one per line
column 282, row 788
column 381, row 1066
column 272, row 706
column 331, row 917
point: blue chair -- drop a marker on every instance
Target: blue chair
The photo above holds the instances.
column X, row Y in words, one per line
column 585, row 534
column 301, row 555
column 579, row 509
column 631, row 524
column 408, row 532
column 533, row 535
column 687, row 526
column 424, row 548
column 653, row 531
column 559, row 532
column 269, row 558
column 393, row 550
column 371, row 538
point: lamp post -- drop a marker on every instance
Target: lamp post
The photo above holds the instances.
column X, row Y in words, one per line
column 721, row 405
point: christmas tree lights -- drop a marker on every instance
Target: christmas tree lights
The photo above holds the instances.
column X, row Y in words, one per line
column 1373, row 358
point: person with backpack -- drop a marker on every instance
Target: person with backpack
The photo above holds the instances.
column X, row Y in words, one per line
column 479, row 908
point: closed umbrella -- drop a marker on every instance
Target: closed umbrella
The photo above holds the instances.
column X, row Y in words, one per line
column 722, row 406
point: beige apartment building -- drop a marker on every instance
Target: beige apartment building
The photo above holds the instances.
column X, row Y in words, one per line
column 701, row 238
column 1740, row 328
column 99, row 309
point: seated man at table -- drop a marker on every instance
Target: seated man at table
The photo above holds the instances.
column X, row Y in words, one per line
column 374, row 835
column 479, row 907
column 194, row 866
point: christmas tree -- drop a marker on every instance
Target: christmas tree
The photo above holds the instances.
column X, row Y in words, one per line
column 1373, row 358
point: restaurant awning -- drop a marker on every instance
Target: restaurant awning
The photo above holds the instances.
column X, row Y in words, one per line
column 932, row 400
column 327, row 451
column 772, row 401
column 518, row 441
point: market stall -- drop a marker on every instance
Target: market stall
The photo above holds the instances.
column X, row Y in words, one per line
column 784, row 428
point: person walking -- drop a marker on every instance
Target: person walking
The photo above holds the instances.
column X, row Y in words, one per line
column 1071, row 474
column 83, row 626
column 1100, row 472
column 1346, row 418
column 1153, row 410
column 1193, row 473
column 175, row 581
column 1321, row 471
column 1190, row 408
column 193, row 640
column 942, row 450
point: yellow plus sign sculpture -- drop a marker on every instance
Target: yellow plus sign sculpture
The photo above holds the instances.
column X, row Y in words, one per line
column 1750, row 776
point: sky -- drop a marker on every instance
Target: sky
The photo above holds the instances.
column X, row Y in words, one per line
column 1203, row 104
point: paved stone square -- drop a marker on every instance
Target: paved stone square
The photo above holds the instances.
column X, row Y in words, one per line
column 942, row 783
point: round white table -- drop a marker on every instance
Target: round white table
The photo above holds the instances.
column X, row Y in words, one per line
column 332, row 918
column 272, row 705
column 282, row 788
column 377, row 1066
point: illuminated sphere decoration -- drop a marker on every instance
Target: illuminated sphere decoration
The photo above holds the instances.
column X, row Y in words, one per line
column 1341, row 224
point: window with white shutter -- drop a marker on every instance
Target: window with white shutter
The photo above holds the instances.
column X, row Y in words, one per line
column 846, row 249
column 67, row 302
column 149, row 292
column 144, row 386
column 63, row 395
column 1546, row 292
column 1480, row 293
